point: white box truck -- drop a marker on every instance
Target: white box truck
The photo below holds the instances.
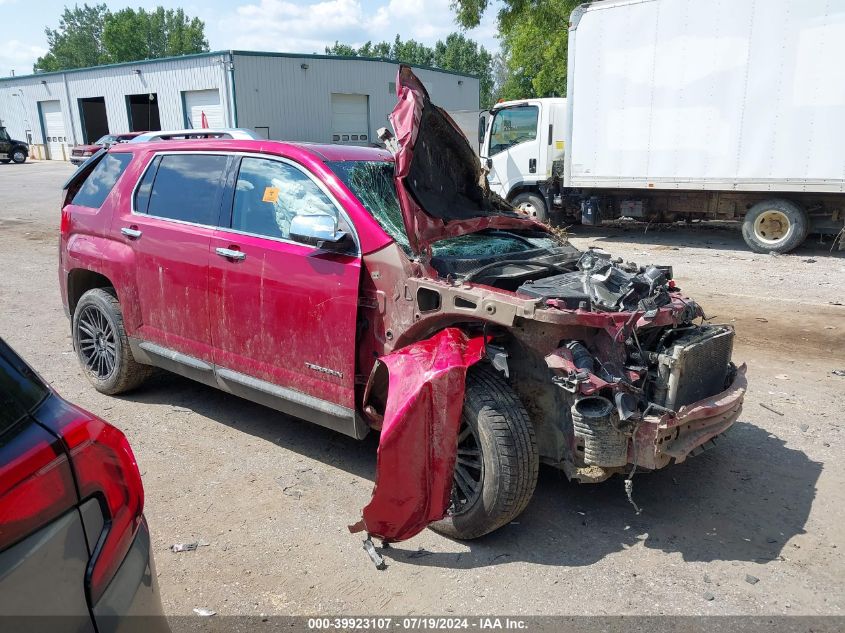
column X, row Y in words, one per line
column 687, row 109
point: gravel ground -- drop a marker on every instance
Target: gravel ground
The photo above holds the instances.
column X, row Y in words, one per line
column 272, row 495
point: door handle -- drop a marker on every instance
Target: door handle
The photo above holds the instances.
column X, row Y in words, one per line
column 228, row 253
column 532, row 165
column 132, row 234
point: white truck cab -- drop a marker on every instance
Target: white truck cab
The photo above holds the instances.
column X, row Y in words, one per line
column 523, row 147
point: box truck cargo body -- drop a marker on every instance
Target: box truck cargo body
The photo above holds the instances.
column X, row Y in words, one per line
column 675, row 109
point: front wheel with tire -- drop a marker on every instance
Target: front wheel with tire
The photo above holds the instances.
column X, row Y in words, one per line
column 18, row 156
column 102, row 346
column 532, row 204
column 775, row 226
column 497, row 459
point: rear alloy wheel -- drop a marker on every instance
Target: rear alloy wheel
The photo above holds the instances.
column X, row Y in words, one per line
column 18, row 156
column 497, row 460
column 532, row 205
column 775, row 226
column 102, row 346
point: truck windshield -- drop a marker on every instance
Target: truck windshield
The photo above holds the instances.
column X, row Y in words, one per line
column 4, row 135
column 512, row 126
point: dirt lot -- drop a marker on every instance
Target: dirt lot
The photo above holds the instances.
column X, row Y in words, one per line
column 272, row 495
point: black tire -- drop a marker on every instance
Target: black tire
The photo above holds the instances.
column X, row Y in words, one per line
column 509, row 460
column 532, row 204
column 97, row 333
column 775, row 226
column 18, row 155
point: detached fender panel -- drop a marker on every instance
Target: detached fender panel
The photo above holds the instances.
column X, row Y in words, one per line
column 416, row 455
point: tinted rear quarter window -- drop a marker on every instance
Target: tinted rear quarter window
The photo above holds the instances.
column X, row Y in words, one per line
column 20, row 388
column 185, row 187
column 99, row 184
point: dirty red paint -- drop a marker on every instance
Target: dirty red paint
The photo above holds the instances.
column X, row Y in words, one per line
column 416, row 455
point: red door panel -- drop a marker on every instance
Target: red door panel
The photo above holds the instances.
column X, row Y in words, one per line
column 285, row 314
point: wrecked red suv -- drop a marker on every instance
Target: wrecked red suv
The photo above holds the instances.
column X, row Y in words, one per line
column 364, row 289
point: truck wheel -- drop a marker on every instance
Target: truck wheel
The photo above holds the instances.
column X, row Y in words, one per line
column 102, row 345
column 531, row 204
column 18, row 156
column 497, row 461
column 775, row 226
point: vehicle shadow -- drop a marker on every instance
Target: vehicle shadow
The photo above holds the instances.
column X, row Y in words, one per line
column 721, row 236
column 740, row 501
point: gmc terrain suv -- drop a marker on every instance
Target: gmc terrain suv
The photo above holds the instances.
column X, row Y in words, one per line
column 362, row 289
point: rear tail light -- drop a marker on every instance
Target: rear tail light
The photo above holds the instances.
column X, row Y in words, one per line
column 105, row 469
column 36, row 485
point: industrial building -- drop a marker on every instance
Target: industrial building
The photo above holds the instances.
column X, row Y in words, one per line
column 281, row 96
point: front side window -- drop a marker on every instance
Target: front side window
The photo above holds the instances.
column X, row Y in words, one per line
column 512, row 126
column 185, row 187
column 269, row 194
column 4, row 135
column 99, row 184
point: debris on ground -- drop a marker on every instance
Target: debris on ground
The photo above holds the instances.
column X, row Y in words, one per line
column 751, row 580
column 420, row 553
column 709, row 596
column 805, row 427
column 204, row 612
column 809, row 260
column 377, row 558
column 768, row 408
column 838, row 372
column 782, row 377
column 187, row 547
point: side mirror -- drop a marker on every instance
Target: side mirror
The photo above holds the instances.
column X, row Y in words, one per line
column 320, row 231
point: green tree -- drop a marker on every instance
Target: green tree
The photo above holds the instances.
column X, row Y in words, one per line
column 78, row 40
column 534, row 36
column 456, row 52
column 93, row 35
column 129, row 34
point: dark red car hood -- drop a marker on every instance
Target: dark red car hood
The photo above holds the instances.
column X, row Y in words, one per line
column 443, row 191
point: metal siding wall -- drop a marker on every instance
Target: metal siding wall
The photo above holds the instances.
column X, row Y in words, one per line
column 296, row 103
column 167, row 79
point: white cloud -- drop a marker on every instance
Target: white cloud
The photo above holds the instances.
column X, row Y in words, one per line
column 280, row 25
column 18, row 56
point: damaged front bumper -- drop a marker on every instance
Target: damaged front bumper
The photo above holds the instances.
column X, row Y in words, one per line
column 661, row 439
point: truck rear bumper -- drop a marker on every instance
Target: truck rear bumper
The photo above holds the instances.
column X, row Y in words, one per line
column 661, row 439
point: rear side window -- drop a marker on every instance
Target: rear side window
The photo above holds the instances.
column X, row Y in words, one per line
column 184, row 187
column 99, row 184
column 20, row 389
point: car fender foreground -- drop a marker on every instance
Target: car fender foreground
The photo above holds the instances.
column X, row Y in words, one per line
column 422, row 413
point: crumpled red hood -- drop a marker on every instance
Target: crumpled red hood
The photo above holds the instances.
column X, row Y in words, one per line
column 442, row 189
column 419, row 436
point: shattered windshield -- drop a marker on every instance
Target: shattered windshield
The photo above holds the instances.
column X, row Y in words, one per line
column 489, row 244
column 372, row 183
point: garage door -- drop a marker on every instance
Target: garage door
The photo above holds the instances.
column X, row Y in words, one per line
column 199, row 102
column 350, row 119
column 54, row 129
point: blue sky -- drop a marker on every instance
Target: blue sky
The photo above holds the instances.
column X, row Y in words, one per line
column 272, row 25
